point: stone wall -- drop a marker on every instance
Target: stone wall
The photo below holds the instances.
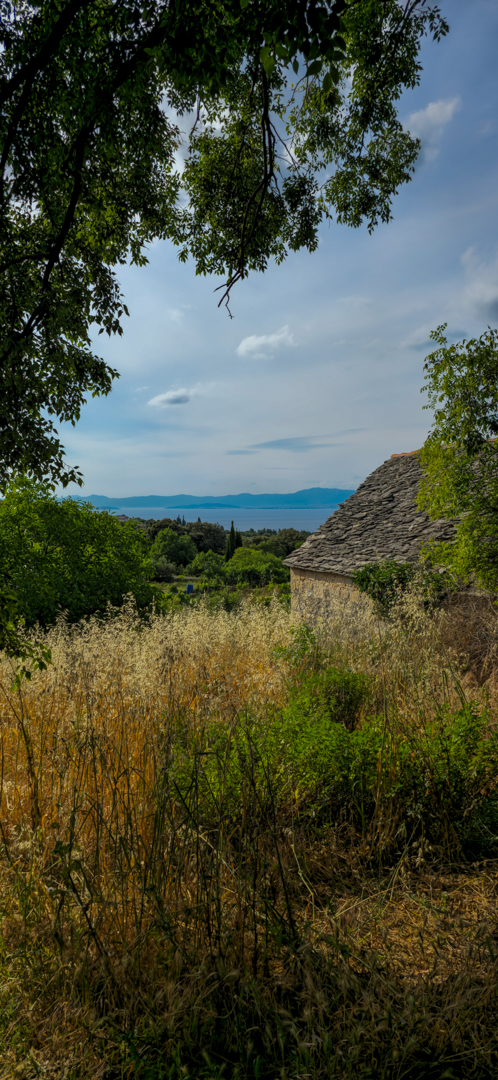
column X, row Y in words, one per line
column 323, row 598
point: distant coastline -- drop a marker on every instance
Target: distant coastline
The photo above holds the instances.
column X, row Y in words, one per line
column 306, row 499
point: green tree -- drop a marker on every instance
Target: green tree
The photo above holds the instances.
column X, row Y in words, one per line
column 210, row 566
column 164, row 569
column 256, row 568
column 66, row 557
column 93, row 100
column 172, row 547
column 269, row 544
column 292, row 538
column 231, row 543
column 460, row 455
column 207, row 536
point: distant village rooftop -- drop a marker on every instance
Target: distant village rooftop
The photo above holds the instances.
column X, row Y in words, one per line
column 379, row 521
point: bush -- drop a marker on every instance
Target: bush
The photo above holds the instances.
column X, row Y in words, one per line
column 270, row 545
column 164, row 570
column 206, row 535
column 68, row 557
column 385, row 582
column 209, row 566
column 279, row 543
column 434, row 785
column 255, row 568
column 173, row 547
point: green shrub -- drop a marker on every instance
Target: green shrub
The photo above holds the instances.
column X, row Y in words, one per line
column 209, row 565
column 304, row 651
column 385, row 582
column 65, row 556
column 432, row 783
column 270, row 545
column 164, row 570
column 336, row 693
column 251, row 567
column 173, row 547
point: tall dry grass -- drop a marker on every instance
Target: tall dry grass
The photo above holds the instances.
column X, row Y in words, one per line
column 143, row 936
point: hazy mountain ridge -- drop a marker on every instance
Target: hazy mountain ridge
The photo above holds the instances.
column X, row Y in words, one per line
column 308, row 497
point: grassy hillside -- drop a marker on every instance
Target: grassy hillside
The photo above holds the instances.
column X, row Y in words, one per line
column 233, row 848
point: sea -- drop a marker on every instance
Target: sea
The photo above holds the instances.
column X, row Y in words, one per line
column 243, row 519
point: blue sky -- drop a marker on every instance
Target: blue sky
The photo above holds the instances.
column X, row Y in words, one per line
column 317, row 378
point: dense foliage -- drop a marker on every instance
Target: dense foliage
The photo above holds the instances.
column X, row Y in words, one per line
column 93, row 101
column 207, row 535
column 65, row 557
column 324, row 748
column 255, row 568
column 385, row 583
column 234, row 541
column 460, row 455
column 252, row 559
column 172, row 548
column 279, row 543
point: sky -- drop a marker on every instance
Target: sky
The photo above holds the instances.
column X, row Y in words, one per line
column 316, row 380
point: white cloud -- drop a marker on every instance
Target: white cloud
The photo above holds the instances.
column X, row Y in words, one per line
column 481, row 292
column 418, row 338
column 171, row 397
column 181, row 396
column 428, row 124
column 262, row 346
column 177, row 314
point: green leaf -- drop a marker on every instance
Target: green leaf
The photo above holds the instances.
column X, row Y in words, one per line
column 269, row 65
column 80, row 107
column 327, row 83
column 315, row 67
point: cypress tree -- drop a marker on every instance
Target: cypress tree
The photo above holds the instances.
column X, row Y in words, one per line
column 231, row 544
column 238, row 539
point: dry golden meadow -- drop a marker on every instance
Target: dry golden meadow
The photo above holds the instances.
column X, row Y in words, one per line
column 170, row 904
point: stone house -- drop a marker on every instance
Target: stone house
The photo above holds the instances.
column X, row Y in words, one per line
column 379, row 521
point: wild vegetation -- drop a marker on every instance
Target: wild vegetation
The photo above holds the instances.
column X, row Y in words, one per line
column 238, row 562
column 232, row 847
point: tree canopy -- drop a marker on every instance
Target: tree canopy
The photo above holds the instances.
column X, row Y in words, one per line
column 291, row 115
column 172, row 547
column 65, row 557
column 460, row 455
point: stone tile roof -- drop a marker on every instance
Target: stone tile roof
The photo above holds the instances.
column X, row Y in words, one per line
column 380, row 521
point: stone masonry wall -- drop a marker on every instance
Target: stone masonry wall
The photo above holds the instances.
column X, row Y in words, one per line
column 319, row 598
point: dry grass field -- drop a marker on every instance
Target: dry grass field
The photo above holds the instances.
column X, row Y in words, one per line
column 195, row 881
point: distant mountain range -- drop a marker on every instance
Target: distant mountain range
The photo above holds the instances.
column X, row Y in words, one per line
column 309, row 498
